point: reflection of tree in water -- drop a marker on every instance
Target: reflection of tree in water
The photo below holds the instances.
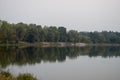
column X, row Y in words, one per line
column 32, row 55
column 7, row 55
column 104, row 51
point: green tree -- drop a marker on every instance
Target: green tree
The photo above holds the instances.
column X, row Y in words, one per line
column 62, row 34
column 7, row 33
column 73, row 36
column 31, row 35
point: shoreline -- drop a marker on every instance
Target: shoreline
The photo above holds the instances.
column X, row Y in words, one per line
column 57, row 44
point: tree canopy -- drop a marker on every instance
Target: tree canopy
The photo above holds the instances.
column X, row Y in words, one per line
column 14, row 33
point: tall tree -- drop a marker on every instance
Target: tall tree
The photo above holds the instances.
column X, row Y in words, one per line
column 62, row 34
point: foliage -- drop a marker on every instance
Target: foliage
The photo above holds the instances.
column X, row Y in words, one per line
column 25, row 77
column 8, row 76
column 14, row 33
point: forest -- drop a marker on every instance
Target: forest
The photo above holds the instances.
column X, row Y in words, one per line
column 21, row 32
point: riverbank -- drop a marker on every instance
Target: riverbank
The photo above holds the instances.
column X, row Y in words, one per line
column 57, row 44
column 51, row 44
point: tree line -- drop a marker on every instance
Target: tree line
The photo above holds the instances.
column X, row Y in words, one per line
column 21, row 32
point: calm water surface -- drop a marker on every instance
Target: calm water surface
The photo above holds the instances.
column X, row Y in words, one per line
column 63, row 63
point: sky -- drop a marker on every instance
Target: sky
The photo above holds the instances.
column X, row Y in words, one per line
column 80, row 15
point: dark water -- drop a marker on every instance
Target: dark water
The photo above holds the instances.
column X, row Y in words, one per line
column 63, row 63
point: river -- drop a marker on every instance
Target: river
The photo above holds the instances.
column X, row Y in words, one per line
column 62, row 63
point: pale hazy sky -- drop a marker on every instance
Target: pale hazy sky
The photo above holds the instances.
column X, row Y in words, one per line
column 81, row 15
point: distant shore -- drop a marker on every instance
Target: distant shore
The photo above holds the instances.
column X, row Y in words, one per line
column 58, row 44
